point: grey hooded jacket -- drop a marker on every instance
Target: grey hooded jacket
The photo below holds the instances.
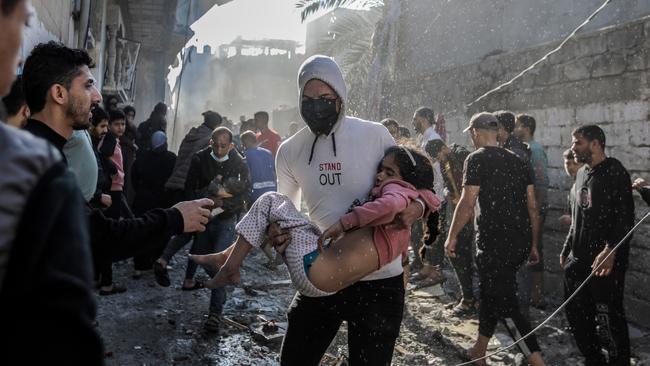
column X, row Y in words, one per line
column 197, row 139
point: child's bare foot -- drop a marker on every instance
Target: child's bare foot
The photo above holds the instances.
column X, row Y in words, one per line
column 211, row 262
column 227, row 275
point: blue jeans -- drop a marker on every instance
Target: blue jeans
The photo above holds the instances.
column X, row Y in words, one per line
column 219, row 234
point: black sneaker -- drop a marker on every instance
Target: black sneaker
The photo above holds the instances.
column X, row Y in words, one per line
column 160, row 272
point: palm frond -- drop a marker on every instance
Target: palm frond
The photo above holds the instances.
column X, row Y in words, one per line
column 310, row 7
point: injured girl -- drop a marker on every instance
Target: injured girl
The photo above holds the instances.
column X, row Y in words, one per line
column 363, row 240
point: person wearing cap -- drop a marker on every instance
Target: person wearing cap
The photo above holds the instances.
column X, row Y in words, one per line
column 150, row 172
column 506, row 219
column 451, row 159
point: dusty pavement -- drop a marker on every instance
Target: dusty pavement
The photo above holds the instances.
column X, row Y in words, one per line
column 152, row 325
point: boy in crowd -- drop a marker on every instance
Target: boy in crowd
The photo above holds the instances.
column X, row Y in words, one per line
column 111, row 149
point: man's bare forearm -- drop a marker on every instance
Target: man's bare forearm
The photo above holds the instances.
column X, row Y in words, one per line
column 462, row 215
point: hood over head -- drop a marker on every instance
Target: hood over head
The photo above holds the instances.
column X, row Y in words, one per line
column 325, row 69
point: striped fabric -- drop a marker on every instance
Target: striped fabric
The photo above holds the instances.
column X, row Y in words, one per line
column 276, row 207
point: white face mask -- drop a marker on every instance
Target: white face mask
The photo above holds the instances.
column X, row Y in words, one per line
column 218, row 159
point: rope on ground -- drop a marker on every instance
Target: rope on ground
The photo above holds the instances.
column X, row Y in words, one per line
column 503, row 349
column 545, row 57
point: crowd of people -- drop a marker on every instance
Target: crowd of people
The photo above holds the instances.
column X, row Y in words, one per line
column 83, row 187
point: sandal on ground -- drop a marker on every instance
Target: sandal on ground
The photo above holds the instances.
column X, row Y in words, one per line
column 115, row 289
column 161, row 275
column 211, row 325
column 197, row 285
column 466, row 356
column 463, row 309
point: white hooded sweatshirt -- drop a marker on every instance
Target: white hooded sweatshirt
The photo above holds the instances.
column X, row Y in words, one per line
column 343, row 165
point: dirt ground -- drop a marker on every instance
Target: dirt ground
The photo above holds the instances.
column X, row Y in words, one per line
column 152, row 325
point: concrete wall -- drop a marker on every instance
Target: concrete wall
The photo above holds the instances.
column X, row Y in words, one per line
column 52, row 21
column 436, row 34
column 149, row 83
column 601, row 77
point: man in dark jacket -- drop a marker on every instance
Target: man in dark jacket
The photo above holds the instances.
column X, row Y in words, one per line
column 506, row 137
column 155, row 122
column 197, row 139
column 217, row 166
column 45, row 274
column 54, row 120
column 150, row 172
column 603, row 213
column 99, row 128
column 451, row 159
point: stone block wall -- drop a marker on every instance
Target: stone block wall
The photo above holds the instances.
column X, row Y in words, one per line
column 598, row 78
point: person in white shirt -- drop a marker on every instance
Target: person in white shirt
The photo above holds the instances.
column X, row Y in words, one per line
column 333, row 163
column 424, row 123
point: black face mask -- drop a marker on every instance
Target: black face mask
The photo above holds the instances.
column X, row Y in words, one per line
column 320, row 114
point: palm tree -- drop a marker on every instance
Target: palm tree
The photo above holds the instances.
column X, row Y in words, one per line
column 310, row 7
column 349, row 41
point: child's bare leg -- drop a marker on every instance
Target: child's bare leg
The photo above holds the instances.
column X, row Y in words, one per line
column 212, row 261
column 345, row 262
column 229, row 272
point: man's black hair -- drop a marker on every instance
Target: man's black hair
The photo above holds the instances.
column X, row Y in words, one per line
column 48, row 64
column 16, row 98
column 527, row 121
column 390, row 122
column 433, row 148
column 128, row 109
column 404, row 132
column 160, row 109
column 8, row 6
column 591, row 132
column 264, row 115
column 115, row 114
column 426, row 113
column 506, row 119
column 212, row 119
column 99, row 114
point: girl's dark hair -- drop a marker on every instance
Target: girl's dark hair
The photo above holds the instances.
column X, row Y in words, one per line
column 419, row 175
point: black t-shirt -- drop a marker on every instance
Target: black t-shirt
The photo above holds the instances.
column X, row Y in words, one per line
column 501, row 214
column 603, row 212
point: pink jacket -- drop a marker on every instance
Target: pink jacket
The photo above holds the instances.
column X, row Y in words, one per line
column 391, row 198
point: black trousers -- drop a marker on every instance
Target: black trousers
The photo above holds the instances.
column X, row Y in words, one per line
column 596, row 315
column 463, row 262
column 498, row 296
column 373, row 310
